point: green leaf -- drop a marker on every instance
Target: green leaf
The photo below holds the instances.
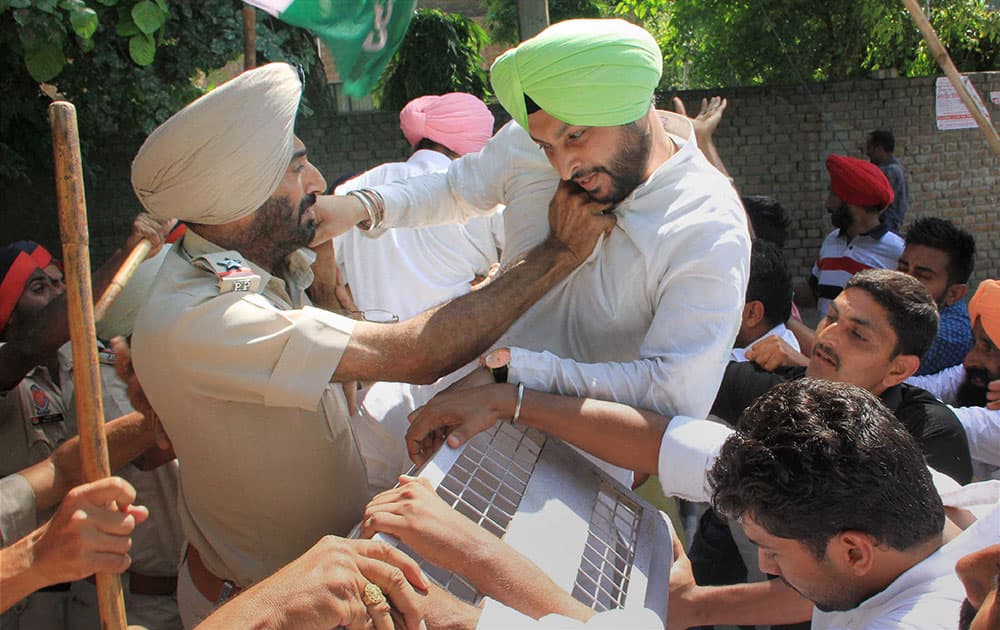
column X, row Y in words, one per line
column 126, row 27
column 49, row 6
column 108, row 3
column 87, row 45
column 45, row 62
column 142, row 49
column 84, row 22
column 163, row 6
column 147, row 16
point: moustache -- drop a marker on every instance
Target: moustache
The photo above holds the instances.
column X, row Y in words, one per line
column 307, row 202
column 828, row 353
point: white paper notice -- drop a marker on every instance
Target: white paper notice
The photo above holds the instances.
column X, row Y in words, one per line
column 949, row 108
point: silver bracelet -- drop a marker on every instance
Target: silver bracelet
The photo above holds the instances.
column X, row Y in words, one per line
column 517, row 405
column 366, row 203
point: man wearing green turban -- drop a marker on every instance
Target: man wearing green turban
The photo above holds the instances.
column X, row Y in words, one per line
column 650, row 318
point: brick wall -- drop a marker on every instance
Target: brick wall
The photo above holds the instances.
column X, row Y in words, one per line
column 773, row 139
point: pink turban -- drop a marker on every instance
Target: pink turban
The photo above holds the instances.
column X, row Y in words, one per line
column 985, row 306
column 858, row 182
column 458, row 121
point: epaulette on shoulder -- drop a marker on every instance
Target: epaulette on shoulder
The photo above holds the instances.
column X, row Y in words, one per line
column 234, row 274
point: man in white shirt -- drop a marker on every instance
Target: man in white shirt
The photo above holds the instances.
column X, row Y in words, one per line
column 651, row 317
column 964, row 387
column 406, row 271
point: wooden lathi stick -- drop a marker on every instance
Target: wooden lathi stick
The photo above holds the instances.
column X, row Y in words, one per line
column 122, row 276
column 944, row 60
column 79, row 296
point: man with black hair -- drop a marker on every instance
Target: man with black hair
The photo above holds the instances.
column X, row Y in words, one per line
column 872, row 337
column 941, row 256
column 769, row 218
column 879, row 148
column 768, row 302
column 834, row 492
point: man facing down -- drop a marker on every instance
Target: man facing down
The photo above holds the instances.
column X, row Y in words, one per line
column 238, row 363
column 835, row 493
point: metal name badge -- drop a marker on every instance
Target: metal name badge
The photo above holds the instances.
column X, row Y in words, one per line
column 235, row 276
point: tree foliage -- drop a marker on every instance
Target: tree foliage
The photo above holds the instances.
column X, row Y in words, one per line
column 441, row 53
column 501, row 15
column 711, row 43
column 127, row 65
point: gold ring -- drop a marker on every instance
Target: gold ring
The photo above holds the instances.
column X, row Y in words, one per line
column 373, row 595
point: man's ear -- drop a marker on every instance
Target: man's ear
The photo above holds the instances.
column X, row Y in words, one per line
column 955, row 293
column 753, row 313
column 854, row 551
column 902, row 367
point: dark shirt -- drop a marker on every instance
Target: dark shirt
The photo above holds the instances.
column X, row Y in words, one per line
column 935, row 427
column 896, row 212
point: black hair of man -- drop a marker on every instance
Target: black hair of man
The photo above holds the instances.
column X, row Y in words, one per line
column 942, row 234
column 770, row 283
column 813, row 458
column 769, row 218
column 883, row 138
column 913, row 315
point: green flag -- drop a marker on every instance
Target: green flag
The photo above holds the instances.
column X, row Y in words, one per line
column 362, row 35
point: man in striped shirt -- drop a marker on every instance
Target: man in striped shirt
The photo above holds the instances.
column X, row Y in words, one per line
column 859, row 194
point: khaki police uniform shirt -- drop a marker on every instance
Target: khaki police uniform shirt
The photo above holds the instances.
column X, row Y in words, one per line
column 156, row 543
column 241, row 381
column 32, row 421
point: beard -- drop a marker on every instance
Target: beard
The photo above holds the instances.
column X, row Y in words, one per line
column 972, row 392
column 277, row 229
column 842, row 218
column 626, row 169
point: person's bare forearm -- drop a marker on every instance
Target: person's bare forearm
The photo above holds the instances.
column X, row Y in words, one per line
column 50, row 479
column 440, row 340
column 762, row 603
column 805, row 335
column 503, row 574
column 17, row 579
column 617, row 433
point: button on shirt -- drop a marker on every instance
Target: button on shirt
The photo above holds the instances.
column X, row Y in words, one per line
column 650, row 317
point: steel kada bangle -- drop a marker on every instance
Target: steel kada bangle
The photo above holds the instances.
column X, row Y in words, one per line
column 517, row 405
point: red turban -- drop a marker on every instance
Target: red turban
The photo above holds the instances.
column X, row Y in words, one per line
column 985, row 306
column 858, row 182
column 17, row 262
column 458, row 121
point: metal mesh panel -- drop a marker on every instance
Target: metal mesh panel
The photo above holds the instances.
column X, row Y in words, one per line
column 486, row 484
column 602, row 580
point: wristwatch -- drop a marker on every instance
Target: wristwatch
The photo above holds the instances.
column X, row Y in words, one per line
column 498, row 361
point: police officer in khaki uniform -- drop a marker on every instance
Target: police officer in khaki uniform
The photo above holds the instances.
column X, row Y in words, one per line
column 33, row 419
column 244, row 372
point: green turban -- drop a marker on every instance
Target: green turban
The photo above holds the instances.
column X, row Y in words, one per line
column 597, row 73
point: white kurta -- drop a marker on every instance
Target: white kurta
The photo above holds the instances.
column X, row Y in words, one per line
column 781, row 331
column 408, row 270
column 649, row 319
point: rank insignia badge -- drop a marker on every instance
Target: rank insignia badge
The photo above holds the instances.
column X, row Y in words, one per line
column 233, row 273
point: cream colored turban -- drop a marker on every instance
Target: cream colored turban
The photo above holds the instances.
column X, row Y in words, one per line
column 221, row 157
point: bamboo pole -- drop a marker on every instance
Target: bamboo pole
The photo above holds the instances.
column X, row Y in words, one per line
column 249, row 37
column 944, row 60
column 79, row 296
column 122, row 276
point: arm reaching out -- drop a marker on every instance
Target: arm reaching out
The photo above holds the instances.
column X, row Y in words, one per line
column 415, row 514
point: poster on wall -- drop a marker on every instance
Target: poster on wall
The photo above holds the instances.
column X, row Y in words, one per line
column 951, row 112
